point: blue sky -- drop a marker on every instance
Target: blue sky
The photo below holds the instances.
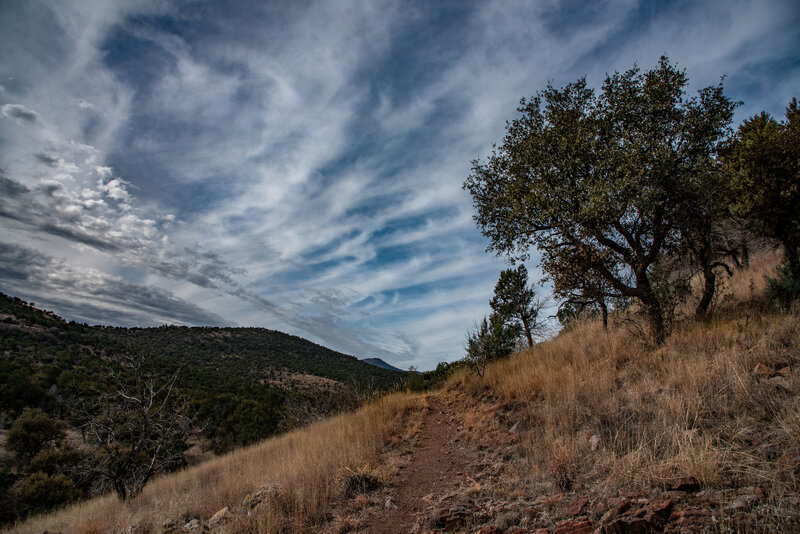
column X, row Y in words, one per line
column 298, row 165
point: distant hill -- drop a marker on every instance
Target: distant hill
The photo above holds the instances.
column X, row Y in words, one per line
column 229, row 375
column 377, row 362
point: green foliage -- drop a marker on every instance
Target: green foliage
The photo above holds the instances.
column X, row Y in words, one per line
column 494, row 339
column 62, row 459
column 233, row 422
column 516, row 302
column 597, row 183
column 41, row 492
column 434, row 379
column 784, row 289
column 32, row 431
column 52, row 364
column 764, row 184
column 8, row 505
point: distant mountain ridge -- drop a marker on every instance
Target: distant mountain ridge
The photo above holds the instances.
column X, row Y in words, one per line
column 377, row 362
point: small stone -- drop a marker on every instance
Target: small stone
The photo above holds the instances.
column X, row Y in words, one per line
column 785, row 371
column 763, row 371
column 594, row 442
column 220, row 518
column 171, row 526
column 571, row 526
column 577, row 507
column 514, row 428
column 686, row 484
column 389, row 504
column 194, row 527
column 782, row 382
column 261, row 496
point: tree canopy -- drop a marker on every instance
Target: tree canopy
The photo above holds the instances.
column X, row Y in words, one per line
column 598, row 183
column 764, row 163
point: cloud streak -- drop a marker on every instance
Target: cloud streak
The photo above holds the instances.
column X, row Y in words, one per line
column 299, row 166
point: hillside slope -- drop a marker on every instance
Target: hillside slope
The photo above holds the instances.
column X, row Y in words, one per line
column 237, row 385
column 592, row 430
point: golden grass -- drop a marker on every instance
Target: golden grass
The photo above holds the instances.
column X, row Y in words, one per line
column 306, row 466
column 692, row 407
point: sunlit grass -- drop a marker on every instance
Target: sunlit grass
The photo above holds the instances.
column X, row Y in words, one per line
column 306, row 466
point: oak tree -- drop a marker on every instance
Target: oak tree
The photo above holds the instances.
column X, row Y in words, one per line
column 597, row 182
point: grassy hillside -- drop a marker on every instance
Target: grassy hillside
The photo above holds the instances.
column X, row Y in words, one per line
column 290, row 480
column 598, row 418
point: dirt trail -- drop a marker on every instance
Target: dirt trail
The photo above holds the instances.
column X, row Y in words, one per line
column 438, row 467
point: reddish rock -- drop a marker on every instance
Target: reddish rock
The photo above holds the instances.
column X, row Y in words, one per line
column 628, row 525
column 686, row 484
column 576, row 507
column 692, row 518
column 782, row 382
column 763, row 371
column 648, row 518
column 572, row 526
column 491, row 529
column 453, row 518
column 617, row 507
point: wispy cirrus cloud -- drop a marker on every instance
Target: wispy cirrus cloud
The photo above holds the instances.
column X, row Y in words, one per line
column 299, row 165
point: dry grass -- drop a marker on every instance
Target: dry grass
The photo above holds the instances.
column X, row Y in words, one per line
column 597, row 411
column 692, row 407
column 307, row 467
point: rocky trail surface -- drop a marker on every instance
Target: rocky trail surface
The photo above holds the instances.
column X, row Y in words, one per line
column 438, row 468
column 469, row 478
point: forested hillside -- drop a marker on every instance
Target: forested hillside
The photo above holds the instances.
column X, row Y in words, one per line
column 233, row 386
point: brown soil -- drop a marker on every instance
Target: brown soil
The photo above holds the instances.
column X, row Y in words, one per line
column 438, row 467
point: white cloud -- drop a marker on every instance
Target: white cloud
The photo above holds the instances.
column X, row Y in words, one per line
column 343, row 217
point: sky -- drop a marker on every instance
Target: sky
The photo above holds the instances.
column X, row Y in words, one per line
column 298, row 165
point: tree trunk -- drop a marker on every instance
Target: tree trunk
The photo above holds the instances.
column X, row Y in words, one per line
column 658, row 323
column 601, row 302
column 527, row 331
column 710, row 286
column 653, row 307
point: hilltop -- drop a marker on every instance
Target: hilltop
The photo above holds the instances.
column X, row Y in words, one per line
column 380, row 363
column 594, row 430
